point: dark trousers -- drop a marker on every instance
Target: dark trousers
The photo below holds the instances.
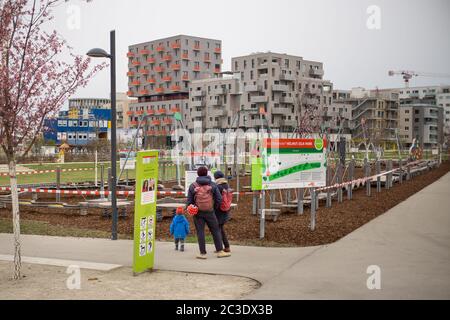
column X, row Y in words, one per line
column 208, row 218
column 226, row 244
column 179, row 241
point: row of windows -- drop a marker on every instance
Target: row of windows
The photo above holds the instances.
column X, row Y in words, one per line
column 83, row 123
column 167, row 43
column 75, row 136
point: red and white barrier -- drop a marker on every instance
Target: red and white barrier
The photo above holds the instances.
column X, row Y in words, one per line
column 4, row 174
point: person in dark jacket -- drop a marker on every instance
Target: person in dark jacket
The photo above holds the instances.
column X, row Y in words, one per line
column 179, row 228
column 206, row 217
column 222, row 216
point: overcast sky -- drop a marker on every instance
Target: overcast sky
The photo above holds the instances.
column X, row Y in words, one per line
column 413, row 34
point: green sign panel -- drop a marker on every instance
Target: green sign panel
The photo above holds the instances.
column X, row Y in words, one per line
column 145, row 210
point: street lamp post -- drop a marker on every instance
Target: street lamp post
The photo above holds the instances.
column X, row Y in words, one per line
column 100, row 53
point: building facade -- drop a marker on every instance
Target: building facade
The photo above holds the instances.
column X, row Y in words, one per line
column 122, row 110
column 281, row 87
column 160, row 73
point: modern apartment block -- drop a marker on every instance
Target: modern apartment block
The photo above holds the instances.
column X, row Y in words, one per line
column 370, row 114
column 281, row 87
column 213, row 102
column 423, row 120
column 160, row 73
column 443, row 100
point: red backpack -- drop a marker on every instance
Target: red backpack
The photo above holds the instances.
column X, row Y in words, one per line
column 227, row 199
column 203, row 197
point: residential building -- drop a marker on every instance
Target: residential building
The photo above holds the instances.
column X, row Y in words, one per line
column 122, row 110
column 160, row 73
column 280, row 88
column 443, row 100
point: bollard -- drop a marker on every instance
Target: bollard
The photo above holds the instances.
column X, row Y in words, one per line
column 262, row 215
column 300, row 201
column 339, row 180
column 313, row 209
column 58, row 183
column 351, row 172
column 328, row 178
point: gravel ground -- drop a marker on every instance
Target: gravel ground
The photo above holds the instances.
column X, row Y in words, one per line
column 289, row 230
column 49, row 283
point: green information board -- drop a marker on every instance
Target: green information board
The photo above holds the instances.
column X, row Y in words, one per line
column 145, row 210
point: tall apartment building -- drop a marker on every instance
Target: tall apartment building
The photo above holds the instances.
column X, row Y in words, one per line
column 280, row 86
column 443, row 100
column 160, row 73
column 421, row 119
column 371, row 114
column 213, row 102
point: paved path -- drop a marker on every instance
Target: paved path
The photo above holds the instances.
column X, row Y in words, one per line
column 410, row 243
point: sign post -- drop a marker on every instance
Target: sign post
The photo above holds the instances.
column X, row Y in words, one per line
column 145, row 211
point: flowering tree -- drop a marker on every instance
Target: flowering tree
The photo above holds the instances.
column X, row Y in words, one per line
column 34, row 83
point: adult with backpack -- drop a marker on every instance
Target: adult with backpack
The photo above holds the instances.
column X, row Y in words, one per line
column 204, row 197
column 223, row 211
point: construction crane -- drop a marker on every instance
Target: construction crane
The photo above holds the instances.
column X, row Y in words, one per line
column 408, row 75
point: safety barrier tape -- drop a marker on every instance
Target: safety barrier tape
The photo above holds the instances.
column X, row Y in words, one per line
column 46, row 171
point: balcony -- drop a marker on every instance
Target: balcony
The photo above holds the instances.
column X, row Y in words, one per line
column 280, row 87
column 198, row 93
column 288, row 100
column 159, row 69
column 150, row 112
column 219, row 91
column 136, row 83
column 185, row 56
column 167, row 58
column 156, row 122
column 175, row 110
column 312, row 91
column 259, row 99
column 185, row 78
column 139, row 112
column 130, row 113
column 216, row 70
column 159, row 90
column 196, row 114
column 167, row 79
column 144, row 71
column 151, row 80
column 175, row 45
column 144, row 52
column 198, row 103
column 252, row 88
column 206, row 59
column 130, row 73
column 289, row 123
column 175, row 88
column 159, row 48
column 196, row 68
column 129, row 93
column 176, row 67
column 218, row 50
column 151, row 60
column 287, row 77
column 144, row 92
column 134, row 123
column 217, row 102
column 196, row 47
column 130, row 55
column 220, row 113
column 316, row 72
column 160, row 112
column 136, row 63
column 168, row 121
column 281, row 111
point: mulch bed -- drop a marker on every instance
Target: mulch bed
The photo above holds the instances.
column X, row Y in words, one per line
column 289, row 230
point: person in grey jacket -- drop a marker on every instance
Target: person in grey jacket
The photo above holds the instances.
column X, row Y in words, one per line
column 222, row 216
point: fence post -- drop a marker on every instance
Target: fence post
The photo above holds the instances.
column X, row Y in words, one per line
column 300, row 192
column 328, row 178
column 58, row 183
column 163, row 172
column 262, row 215
column 400, row 171
column 389, row 176
column 255, row 203
column 126, row 177
column 109, row 183
column 313, row 209
column 351, row 172
column 339, row 180
column 378, row 178
column 102, row 182
column 408, row 173
column 367, row 175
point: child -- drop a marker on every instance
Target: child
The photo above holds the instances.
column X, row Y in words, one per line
column 179, row 228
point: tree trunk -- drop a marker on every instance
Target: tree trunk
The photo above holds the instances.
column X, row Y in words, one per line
column 16, row 218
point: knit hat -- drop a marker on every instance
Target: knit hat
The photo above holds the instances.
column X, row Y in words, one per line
column 218, row 174
column 202, row 172
column 180, row 210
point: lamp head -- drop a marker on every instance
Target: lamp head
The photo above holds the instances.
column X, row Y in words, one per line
column 98, row 53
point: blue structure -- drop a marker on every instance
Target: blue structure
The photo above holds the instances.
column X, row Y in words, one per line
column 78, row 130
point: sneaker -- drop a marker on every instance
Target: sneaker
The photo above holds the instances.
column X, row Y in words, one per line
column 201, row 256
column 227, row 250
column 176, row 248
column 223, row 254
column 182, row 249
